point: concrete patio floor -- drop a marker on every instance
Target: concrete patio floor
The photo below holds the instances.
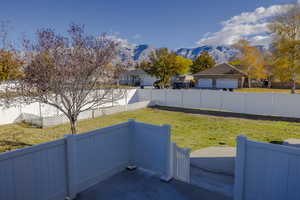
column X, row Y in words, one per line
column 141, row 185
column 215, row 159
column 212, row 168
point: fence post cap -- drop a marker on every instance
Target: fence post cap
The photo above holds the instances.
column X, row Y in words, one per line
column 131, row 120
column 241, row 137
column 69, row 135
column 166, row 125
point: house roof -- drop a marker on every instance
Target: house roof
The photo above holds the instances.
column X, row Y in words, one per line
column 221, row 69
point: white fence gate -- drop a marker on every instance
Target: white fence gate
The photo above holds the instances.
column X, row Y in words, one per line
column 181, row 163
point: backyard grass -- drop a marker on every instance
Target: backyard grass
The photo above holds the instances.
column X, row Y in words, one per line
column 265, row 90
column 188, row 130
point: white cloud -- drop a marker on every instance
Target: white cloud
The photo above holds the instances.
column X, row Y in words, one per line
column 247, row 25
column 121, row 41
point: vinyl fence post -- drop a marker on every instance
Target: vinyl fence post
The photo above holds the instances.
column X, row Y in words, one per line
column 167, row 176
column 200, row 98
column 182, row 94
column 221, row 100
column 131, row 123
column 126, row 101
column 274, row 110
column 71, row 166
column 245, row 103
column 41, row 116
column 240, row 164
column 112, row 98
column 165, row 93
column 173, row 159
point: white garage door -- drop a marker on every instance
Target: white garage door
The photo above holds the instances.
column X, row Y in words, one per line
column 227, row 83
column 148, row 81
column 205, row 83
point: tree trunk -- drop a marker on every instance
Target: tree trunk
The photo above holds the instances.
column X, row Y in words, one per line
column 293, row 88
column 73, row 125
column 269, row 83
column 249, row 82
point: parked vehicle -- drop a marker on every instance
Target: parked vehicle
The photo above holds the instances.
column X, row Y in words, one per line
column 183, row 81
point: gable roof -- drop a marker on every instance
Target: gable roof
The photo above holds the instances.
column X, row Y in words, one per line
column 221, row 69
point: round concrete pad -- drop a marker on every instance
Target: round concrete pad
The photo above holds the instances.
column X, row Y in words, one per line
column 215, row 159
column 292, row 142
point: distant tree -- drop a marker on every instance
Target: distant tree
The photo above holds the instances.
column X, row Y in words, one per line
column 67, row 72
column 164, row 64
column 10, row 66
column 183, row 64
column 250, row 60
column 269, row 67
column 286, row 45
column 202, row 62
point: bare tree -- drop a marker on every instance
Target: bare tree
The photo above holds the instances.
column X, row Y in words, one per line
column 74, row 73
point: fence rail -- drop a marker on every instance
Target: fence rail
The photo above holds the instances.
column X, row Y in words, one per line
column 273, row 104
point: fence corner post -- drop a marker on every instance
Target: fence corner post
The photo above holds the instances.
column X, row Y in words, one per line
column 71, row 165
column 131, row 123
column 167, row 176
column 240, row 163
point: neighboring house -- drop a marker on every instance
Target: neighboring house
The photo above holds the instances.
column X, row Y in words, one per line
column 137, row 77
column 219, row 77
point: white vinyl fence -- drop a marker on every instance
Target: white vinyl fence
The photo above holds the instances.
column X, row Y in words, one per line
column 181, row 163
column 266, row 171
column 65, row 167
column 46, row 115
column 273, row 104
column 89, row 114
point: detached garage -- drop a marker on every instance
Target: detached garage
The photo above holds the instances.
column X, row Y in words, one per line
column 205, row 83
column 222, row 76
column 227, row 83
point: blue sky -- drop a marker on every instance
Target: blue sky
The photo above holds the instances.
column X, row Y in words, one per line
column 160, row 23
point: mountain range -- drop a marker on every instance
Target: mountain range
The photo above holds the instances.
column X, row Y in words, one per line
column 220, row 53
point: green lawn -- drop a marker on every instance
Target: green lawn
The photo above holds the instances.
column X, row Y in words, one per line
column 265, row 90
column 192, row 131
